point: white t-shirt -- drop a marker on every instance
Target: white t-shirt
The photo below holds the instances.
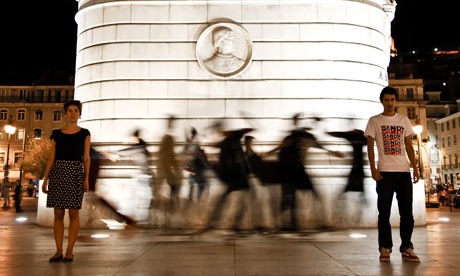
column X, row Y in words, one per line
column 389, row 133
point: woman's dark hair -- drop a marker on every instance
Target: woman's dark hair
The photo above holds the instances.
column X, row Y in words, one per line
column 72, row 102
column 387, row 91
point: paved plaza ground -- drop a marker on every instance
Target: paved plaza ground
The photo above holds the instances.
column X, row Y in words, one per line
column 25, row 248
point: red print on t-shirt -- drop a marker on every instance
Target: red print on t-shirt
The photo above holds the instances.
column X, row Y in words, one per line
column 392, row 139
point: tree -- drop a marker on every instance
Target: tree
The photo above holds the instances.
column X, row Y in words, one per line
column 36, row 157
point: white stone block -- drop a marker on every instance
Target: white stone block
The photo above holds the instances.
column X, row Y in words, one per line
column 195, row 72
column 114, row 89
column 254, row 31
column 228, row 89
column 285, row 108
column 102, row 109
column 93, row 17
column 131, row 109
column 223, row 10
column 131, row 69
column 84, row 39
column 133, row 32
column 301, row 88
column 92, row 54
column 94, row 129
column 262, row 88
column 265, row 12
column 300, row 50
column 79, row 60
column 182, row 51
column 149, row 51
column 107, row 70
column 167, row 70
column 162, row 32
column 294, row 12
column 266, row 50
column 243, row 108
column 357, row 14
column 206, row 108
column 195, row 30
column 188, row 89
column 316, row 32
column 82, row 75
column 90, row 91
column 104, row 34
column 148, row 89
column 157, row 12
column 115, row 51
column 253, row 71
column 332, row 12
column 184, row 12
column 280, row 32
column 117, row 14
column 163, row 108
column 115, row 130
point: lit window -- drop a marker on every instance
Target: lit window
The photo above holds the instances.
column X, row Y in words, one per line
column 20, row 134
column 21, row 115
column 37, row 133
column 17, row 158
column 2, row 157
column 410, row 94
column 411, row 113
column 3, row 114
column 38, row 115
column 57, row 116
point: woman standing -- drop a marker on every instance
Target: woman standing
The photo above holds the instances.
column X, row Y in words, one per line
column 67, row 170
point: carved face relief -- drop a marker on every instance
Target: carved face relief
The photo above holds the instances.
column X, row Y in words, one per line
column 224, row 50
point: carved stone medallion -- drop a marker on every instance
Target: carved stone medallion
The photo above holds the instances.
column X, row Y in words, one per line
column 224, row 50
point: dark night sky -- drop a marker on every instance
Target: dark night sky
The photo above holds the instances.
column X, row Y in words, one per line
column 40, row 36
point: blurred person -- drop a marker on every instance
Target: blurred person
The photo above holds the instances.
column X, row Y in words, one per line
column 67, row 170
column 6, row 186
column 442, row 196
column 233, row 171
column 18, row 196
column 392, row 132
column 292, row 155
column 137, row 201
column 168, row 171
column 195, row 164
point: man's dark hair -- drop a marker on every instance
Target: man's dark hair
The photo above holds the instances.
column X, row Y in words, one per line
column 388, row 91
column 72, row 102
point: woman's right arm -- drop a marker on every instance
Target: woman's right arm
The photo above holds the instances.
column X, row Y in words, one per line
column 49, row 164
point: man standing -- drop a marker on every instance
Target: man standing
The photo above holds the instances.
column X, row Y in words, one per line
column 392, row 132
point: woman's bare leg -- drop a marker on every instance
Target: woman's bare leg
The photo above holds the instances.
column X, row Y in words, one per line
column 58, row 230
column 74, row 225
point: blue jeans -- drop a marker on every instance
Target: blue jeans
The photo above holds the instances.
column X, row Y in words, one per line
column 401, row 184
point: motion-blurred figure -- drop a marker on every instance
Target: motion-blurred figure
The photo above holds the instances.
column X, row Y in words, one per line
column 168, row 170
column 18, row 196
column 233, row 171
column 291, row 155
column 137, row 204
column 6, row 186
column 195, row 164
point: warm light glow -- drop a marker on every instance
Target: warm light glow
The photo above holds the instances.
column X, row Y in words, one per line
column 436, row 49
column 358, row 236
column 21, row 219
column 100, row 236
column 10, row 129
column 417, row 129
column 444, row 219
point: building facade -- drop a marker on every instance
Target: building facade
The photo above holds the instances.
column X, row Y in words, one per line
column 34, row 111
column 449, row 135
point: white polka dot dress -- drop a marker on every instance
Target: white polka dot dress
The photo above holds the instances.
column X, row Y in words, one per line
column 65, row 186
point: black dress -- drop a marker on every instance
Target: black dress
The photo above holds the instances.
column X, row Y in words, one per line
column 65, row 187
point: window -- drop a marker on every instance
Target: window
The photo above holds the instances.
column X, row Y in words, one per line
column 38, row 115
column 20, row 134
column 57, row 116
column 410, row 94
column 455, row 140
column 40, row 95
column 37, row 133
column 398, row 95
column 453, row 124
column 437, row 140
column 57, row 96
column 435, row 126
column 448, row 141
column 411, row 113
column 3, row 135
column 443, row 142
column 442, row 127
column 17, row 158
column 21, row 115
column 3, row 114
column 22, row 94
column 447, row 125
column 2, row 157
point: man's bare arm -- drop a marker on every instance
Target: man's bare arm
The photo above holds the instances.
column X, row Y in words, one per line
column 370, row 154
column 411, row 155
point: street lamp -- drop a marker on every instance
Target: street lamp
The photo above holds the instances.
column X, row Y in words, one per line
column 418, row 130
column 10, row 130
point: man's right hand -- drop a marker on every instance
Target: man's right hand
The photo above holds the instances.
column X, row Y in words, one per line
column 44, row 185
column 376, row 175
